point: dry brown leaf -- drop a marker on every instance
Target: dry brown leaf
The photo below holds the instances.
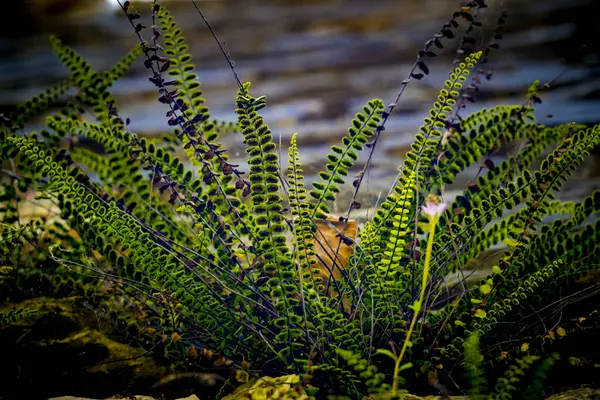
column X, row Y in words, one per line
column 332, row 254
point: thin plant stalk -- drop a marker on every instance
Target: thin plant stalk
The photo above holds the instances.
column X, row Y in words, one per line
column 433, row 211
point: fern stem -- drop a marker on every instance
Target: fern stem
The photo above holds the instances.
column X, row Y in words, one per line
column 224, row 50
column 416, row 305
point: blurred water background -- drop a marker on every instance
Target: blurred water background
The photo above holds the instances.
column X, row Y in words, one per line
column 318, row 61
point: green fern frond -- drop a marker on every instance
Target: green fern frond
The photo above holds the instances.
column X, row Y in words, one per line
column 423, row 150
column 390, row 264
column 157, row 265
column 118, row 70
column 507, row 384
column 182, row 70
column 473, row 365
column 535, row 389
column 85, row 78
column 93, row 86
column 510, row 168
column 302, row 224
column 115, row 141
column 267, row 208
column 181, row 65
column 341, row 159
column 80, row 69
column 15, row 315
column 357, row 370
column 482, row 133
column 26, row 111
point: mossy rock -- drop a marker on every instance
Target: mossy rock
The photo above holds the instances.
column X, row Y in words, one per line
column 64, row 347
column 577, row 394
column 286, row 387
column 192, row 397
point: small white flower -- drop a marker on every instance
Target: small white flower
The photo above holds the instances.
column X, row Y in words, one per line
column 433, row 210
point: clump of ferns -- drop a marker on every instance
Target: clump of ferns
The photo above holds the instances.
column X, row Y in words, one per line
column 41, row 256
column 520, row 378
column 208, row 250
column 29, row 231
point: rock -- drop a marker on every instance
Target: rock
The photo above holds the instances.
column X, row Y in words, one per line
column 577, row 394
column 62, row 348
column 192, row 397
column 266, row 388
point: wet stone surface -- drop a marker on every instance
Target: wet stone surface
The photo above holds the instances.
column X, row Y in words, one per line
column 318, row 62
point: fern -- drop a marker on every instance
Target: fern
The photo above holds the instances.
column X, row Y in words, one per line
column 535, row 389
column 506, row 385
column 302, row 224
column 267, row 208
column 93, row 87
column 418, row 160
column 226, row 268
column 15, row 315
column 26, row 111
column 185, row 80
column 341, row 159
column 474, row 368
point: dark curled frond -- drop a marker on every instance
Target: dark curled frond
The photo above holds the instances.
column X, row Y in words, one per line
column 181, row 68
